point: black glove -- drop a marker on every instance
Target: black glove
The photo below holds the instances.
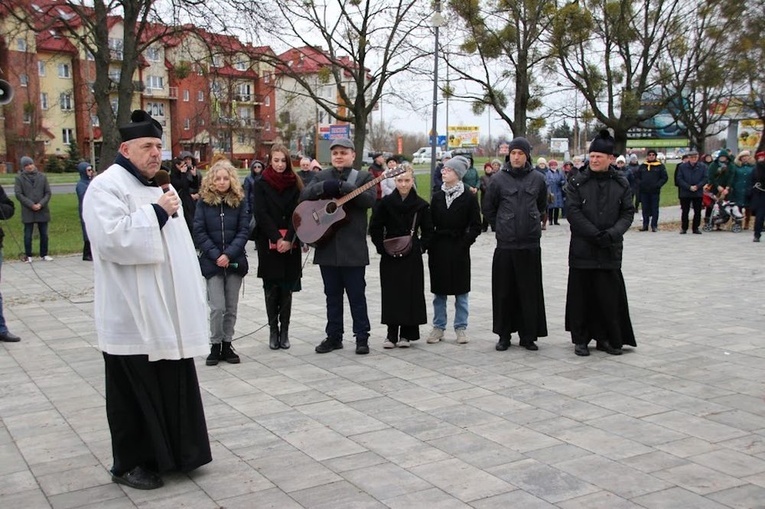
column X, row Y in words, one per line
column 331, row 188
column 603, row 239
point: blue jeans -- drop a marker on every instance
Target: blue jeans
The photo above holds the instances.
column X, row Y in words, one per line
column 3, row 327
column 351, row 281
column 43, row 229
column 650, row 204
column 460, row 311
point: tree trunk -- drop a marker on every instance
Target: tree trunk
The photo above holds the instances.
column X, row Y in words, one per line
column 359, row 135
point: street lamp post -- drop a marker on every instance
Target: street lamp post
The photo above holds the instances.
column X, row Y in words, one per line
column 437, row 21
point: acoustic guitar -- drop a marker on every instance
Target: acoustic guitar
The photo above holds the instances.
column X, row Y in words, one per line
column 316, row 220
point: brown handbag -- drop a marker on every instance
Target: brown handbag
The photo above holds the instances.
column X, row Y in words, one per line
column 398, row 247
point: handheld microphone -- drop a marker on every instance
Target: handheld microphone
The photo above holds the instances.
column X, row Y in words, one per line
column 162, row 178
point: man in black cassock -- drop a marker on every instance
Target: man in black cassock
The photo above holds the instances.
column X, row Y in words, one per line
column 514, row 204
column 600, row 211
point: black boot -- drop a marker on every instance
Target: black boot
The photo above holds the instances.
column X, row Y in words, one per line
column 228, row 354
column 272, row 310
column 214, row 356
column 285, row 310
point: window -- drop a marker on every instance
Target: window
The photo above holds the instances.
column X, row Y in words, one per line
column 241, row 138
column 243, row 92
column 200, row 70
column 153, row 54
column 67, row 136
column 267, row 125
column 65, row 101
column 21, row 44
column 89, row 55
column 185, row 95
column 114, row 75
column 41, row 68
column 267, row 77
column 186, row 124
column 23, row 80
column 63, row 71
column 268, row 101
column 27, row 119
column 155, row 109
column 116, row 49
column 217, row 61
column 240, row 65
column 155, row 82
column 201, row 96
column 114, row 106
column 94, row 121
column 44, row 100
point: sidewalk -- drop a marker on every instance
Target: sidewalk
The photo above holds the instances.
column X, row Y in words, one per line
column 678, row 422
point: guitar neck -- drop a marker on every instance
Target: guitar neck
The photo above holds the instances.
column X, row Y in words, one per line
column 348, row 197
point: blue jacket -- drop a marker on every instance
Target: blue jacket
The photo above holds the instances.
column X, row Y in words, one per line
column 688, row 175
column 556, row 181
column 221, row 229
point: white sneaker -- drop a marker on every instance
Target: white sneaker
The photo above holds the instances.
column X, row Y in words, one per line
column 28, row 259
column 388, row 344
column 436, row 335
column 461, row 336
column 47, row 258
column 403, row 343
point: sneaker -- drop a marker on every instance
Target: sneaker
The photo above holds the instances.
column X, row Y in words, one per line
column 403, row 343
column 388, row 344
column 47, row 258
column 27, row 259
column 328, row 345
column 436, row 335
column 362, row 346
column 461, row 336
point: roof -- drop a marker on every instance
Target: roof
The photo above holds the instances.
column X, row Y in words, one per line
column 52, row 41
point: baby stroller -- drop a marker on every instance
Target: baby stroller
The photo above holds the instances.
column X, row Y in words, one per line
column 723, row 211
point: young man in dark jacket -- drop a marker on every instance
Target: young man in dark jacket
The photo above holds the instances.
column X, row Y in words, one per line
column 6, row 212
column 690, row 177
column 651, row 176
column 343, row 257
column 514, row 204
column 600, row 211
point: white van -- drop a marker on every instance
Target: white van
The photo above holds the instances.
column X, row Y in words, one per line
column 422, row 155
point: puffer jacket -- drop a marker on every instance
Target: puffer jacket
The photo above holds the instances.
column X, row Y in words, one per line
column 600, row 211
column 221, row 229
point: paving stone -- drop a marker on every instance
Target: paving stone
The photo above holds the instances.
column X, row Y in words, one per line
column 613, row 476
column 741, row 497
column 673, row 498
column 599, row 499
column 273, row 498
column 433, row 497
column 386, row 480
column 698, row 479
column 730, row 462
column 90, row 496
column 476, row 450
column 461, row 480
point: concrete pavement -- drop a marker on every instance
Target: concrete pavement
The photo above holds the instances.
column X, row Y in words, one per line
column 678, row 422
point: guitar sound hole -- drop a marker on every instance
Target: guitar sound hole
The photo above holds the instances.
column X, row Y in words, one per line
column 331, row 207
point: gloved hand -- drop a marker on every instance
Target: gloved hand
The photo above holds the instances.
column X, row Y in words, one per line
column 603, row 239
column 331, row 188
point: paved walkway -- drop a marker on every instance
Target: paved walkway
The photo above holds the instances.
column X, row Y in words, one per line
column 678, row 422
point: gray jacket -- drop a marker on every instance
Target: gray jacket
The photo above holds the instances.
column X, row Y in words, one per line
column 30, row 188
column 347, row 247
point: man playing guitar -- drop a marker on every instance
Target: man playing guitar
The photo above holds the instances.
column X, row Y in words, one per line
column 343, row 257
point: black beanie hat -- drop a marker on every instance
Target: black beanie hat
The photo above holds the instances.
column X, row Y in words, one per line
column 603, row 143
column 141, row 126
column 521, row 143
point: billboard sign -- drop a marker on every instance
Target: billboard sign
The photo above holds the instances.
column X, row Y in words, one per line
column 749, row 134
column 559, row 145
column 462, row 136
column 337, row 131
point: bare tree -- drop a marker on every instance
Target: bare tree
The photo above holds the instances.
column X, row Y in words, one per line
column 381, row 136
column 364, row 44
column 505, row 44
column 615, row 53
column 749, row 49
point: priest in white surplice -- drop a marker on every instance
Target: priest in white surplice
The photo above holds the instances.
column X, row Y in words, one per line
column 150, row 313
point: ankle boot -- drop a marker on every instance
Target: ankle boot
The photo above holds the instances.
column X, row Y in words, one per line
column 285, row 310
column 272, row 310
column 227, row 353
column 214, row 356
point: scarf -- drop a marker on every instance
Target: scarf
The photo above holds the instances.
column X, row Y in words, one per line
column 279, row 181
column 452, row 193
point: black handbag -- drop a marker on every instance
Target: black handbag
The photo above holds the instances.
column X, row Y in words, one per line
column 398, row 247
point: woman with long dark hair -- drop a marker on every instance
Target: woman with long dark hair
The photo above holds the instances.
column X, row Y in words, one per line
column 276, row 196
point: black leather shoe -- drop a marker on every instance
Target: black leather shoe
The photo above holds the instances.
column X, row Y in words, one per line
column 644, row 229
column 581, row 350
column 9, row 337
column 139, row 479
column 683, row 232
column 503, row 344
column 653, row 229
column 697, row 232
column 530, row 345
column 605, row 347
column 328, row 345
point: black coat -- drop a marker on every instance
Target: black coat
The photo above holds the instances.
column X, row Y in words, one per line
column 186, row 184
column 756, row 190
column 221, row 229
column 687, row 175
column 273, row 212
column 402, row 280
column 454, row 231
column 651, row 178
column 7, row 208
column 600, row 211
column 514, row 205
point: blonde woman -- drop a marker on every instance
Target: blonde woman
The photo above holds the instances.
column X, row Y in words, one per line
column 220, row 233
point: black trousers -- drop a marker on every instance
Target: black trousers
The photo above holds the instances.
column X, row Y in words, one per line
column 685, row 206
column 155, row 414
